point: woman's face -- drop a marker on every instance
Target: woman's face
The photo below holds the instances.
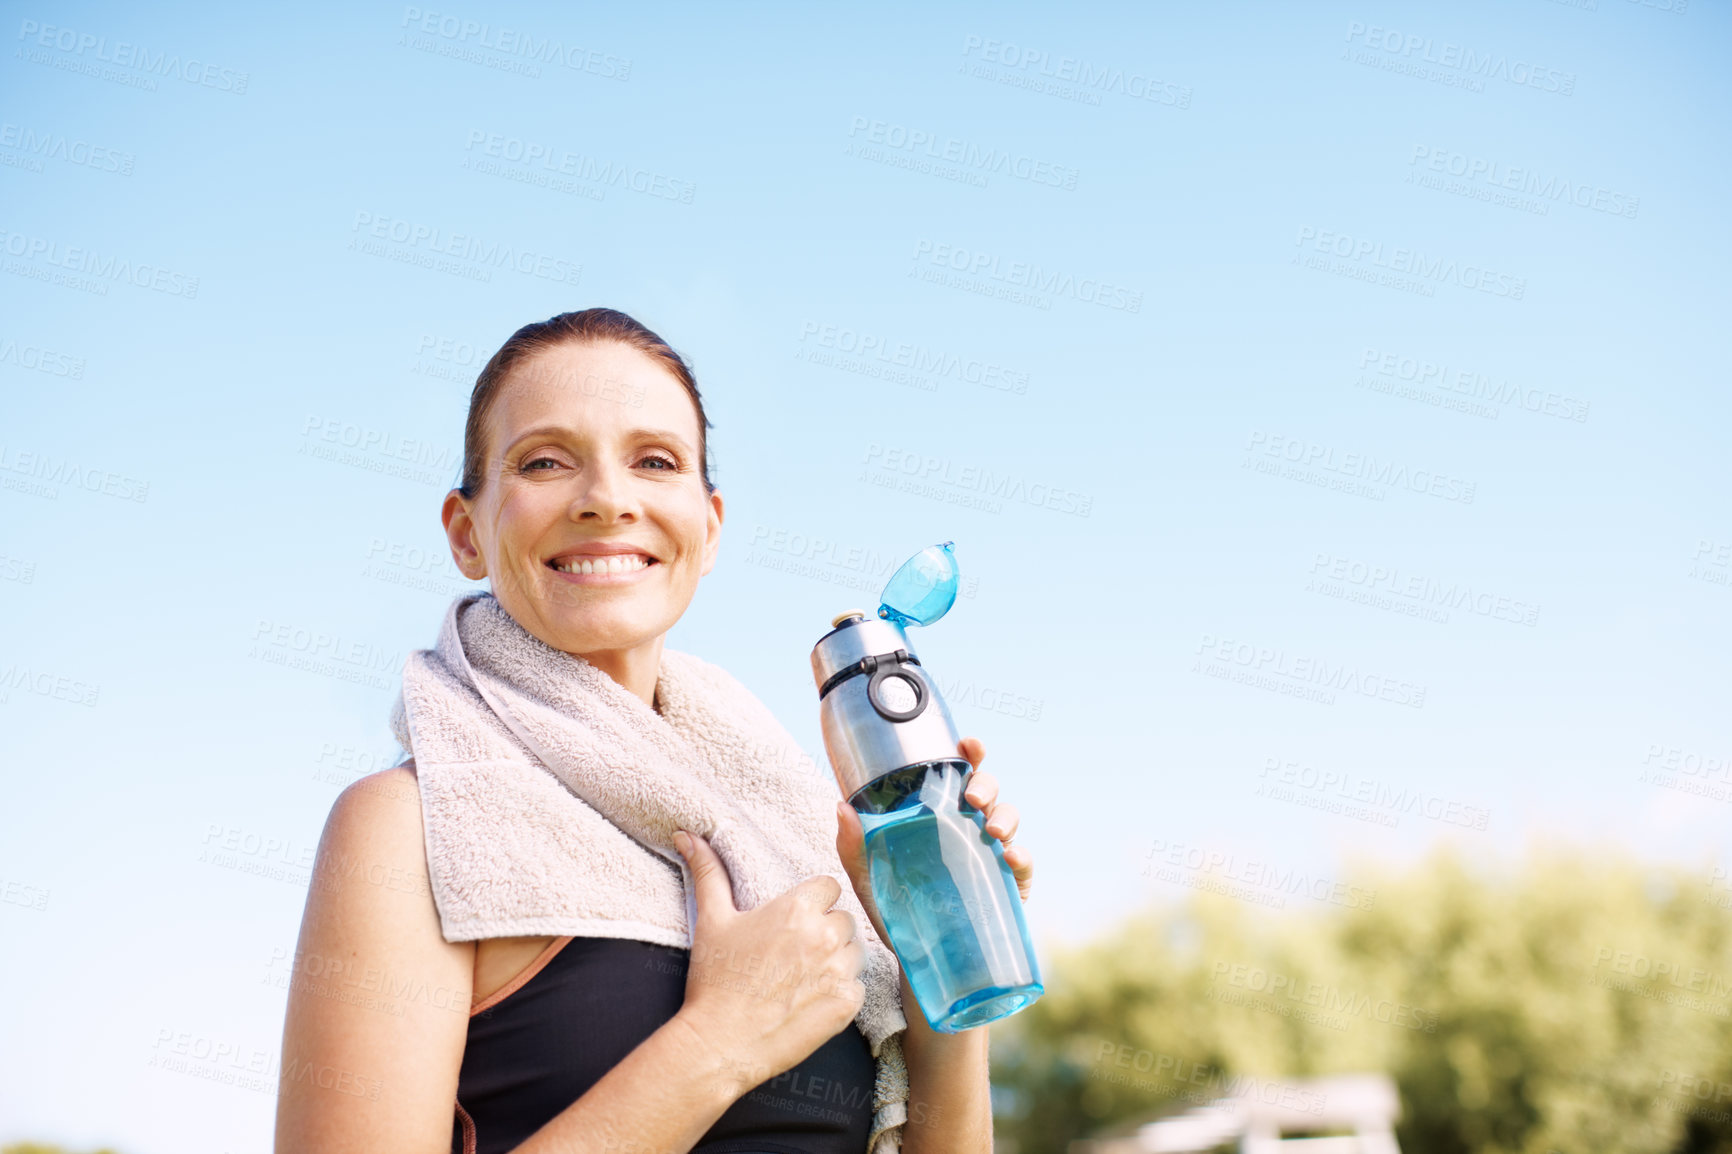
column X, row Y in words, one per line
column 592, row 523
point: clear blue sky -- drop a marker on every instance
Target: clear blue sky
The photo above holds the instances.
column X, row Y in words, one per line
column 1195, row 327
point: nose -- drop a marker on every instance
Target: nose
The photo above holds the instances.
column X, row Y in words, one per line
column 604, row 496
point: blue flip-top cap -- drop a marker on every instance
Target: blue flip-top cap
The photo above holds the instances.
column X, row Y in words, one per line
column 924, row 589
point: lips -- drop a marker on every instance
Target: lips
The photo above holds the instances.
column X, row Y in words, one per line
column 611, row 563
column 601, row 557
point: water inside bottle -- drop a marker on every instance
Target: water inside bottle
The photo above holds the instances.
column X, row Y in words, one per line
column 948, row 900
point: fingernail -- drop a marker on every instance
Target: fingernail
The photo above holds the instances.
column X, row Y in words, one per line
column 683, row 842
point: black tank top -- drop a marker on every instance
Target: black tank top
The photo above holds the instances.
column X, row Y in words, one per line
column 537, row 1045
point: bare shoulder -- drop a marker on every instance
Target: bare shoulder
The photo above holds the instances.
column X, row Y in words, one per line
column 379, row 1001
column 370, row 873
column 398, row 784
column 374, row 834
column 381, row 810
column 399, row 781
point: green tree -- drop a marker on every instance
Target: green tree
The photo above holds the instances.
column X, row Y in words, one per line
column 1577, row 1003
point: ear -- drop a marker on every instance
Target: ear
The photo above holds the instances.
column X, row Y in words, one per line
column 712, row 534
column 460, row 531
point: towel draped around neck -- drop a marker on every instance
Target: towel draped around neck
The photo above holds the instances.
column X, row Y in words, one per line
column 550, row 794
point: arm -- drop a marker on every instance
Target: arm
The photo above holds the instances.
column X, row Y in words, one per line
column 728, row 1036
column 360, row 938
column 662, row 1097
column 949, row 1085
column 370, row 1072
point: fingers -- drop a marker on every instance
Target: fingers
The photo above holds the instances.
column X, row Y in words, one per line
column 847, row 950
column 820, row 889
column 848, row 929
column 857, row 961
column 851, row 846
column 1002, row 820
column 981, row 790
column 850, row 838
column 1021, row 864
column 712, row 887
column 971, row 749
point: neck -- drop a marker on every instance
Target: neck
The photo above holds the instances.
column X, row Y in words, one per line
column 637, row 668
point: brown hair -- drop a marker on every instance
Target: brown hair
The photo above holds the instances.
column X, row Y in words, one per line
column 588, row 327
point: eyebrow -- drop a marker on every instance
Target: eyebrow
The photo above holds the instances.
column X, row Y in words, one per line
column 639, row 434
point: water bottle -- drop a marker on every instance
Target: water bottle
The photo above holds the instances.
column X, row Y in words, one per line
column 948, row 901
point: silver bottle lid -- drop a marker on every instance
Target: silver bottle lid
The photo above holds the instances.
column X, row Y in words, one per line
column 854, row 638
column 877, row 716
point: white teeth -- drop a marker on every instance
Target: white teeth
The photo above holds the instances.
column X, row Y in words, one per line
column 615, row 563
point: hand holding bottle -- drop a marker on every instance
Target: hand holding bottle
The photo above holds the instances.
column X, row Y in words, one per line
column 921, row 833
column 1002, row 819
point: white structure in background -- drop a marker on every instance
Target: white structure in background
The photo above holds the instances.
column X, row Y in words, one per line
column 1366, row 1104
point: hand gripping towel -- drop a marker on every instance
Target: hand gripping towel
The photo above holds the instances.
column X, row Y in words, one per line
column 550, row 794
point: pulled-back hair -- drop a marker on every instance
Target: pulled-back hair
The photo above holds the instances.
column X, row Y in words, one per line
column 586, row 327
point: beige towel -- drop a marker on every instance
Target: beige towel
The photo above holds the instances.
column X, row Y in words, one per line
column 551, row 793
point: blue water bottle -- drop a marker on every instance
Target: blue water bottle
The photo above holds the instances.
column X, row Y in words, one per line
column 948, row 901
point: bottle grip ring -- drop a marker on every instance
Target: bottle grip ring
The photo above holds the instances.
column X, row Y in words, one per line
column 907, row 673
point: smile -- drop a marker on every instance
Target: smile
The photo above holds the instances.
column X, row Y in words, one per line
column 612, row 563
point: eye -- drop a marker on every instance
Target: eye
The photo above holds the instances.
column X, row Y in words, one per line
column 529, row 466
column 660, row 461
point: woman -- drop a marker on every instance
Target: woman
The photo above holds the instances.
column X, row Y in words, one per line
column 586, row 503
